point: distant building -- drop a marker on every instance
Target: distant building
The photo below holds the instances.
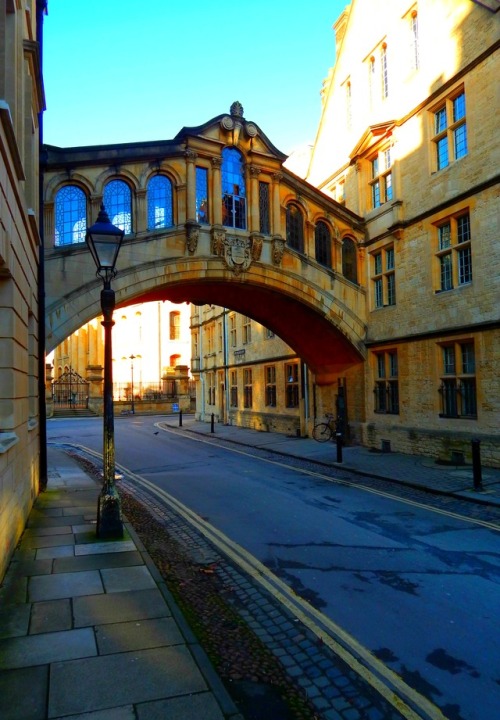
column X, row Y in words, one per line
column 245, row 375
column 151, row 350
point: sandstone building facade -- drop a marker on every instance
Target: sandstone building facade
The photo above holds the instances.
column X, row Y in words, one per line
column 408, row 141
column 21, row 106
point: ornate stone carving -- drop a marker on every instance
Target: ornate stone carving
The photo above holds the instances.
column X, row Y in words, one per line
column 192, row 236
column 227, row 123
column 216, row 162
column 190, row 155
column 236, row 109
column 256, row 241
column 251, row 129
column 278, row 249
column 237, row 253
column 218, row 237
column 254, row 170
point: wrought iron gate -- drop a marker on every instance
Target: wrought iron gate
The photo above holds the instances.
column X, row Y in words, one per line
column 70, row 391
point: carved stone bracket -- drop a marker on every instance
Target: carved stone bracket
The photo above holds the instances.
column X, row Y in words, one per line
column 192, row 236
column 218, row 238
column 278, row 249
column 256, row 241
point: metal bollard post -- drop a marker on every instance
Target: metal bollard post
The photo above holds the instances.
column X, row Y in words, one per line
column 212, row 428
column 476, row 464
column 180, row 418
column 338, row 439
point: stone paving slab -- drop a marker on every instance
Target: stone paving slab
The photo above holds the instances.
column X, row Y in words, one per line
column 138, row 635
column 18, row 704
column 201, row 707
column 117, row 580
column 96, row 562
column 120, row 607
column 91, row 684
column 46, row 648
column 51, row 616
column 65, row 585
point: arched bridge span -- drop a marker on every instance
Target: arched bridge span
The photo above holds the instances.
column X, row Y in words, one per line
column 315, row 311
column 211, row 216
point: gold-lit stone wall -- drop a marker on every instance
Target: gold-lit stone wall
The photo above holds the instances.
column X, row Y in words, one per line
column 21, row 101
column 436, row 54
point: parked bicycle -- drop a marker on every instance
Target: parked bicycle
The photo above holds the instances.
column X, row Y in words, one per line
column 324, row 431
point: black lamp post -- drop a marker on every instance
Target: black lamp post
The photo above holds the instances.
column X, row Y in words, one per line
column 104, row 241
column 132, row 358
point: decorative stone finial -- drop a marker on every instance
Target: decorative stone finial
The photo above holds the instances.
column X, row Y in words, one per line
column 236, row 109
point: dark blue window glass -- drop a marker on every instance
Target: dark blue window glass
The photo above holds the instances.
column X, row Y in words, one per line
column 202, row 195
column 323, row 244
column 294, row 228
column 160, row 214
column 70, row 216
column 233, row 189
column 118, row 204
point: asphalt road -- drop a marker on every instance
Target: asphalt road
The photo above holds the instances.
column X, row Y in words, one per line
column 416, row 586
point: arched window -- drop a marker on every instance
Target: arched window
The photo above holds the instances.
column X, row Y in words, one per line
column 70, row 215
column 234, row 210
column 118, row 204
column 175, row 325
column 323, row 244
column 294, row 228
column 160, row 213
column 349, row 260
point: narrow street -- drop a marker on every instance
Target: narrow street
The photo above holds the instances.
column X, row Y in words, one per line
column 405, row 587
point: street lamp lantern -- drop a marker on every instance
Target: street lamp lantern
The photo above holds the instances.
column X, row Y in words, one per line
column 104, row 241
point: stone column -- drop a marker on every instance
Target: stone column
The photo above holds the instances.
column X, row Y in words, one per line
column 190, row 157
column 49, row 225
column 276, row 213
column 253, row 198
column 141, row 216
column 216, row 191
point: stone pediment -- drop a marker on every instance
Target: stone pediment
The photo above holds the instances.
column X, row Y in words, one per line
column 371, row 137
column 233, row 129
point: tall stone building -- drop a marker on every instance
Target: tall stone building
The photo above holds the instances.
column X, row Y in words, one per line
column 21, row 106
column 151, row 355
column 408, row 140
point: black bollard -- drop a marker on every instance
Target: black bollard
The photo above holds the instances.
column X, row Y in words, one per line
column 180, row 418
column 338, row 439
column 212, row 428
column 476, row 464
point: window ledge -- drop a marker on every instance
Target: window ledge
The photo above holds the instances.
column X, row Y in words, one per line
column 32, row 424
column 7, row 440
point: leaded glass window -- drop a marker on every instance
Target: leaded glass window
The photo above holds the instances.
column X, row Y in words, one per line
column 323, row 244
column 202, row 195
column 118, row 204
column 233, row 189
column 294, row 228
column 70, row 216
column 160, row 213
column 265, row 226
column 349, row 260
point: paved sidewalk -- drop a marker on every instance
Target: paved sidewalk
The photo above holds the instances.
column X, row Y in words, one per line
column 416, row 471
column 90, row 627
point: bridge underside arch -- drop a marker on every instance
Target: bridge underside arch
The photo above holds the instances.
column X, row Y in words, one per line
column 324, row 348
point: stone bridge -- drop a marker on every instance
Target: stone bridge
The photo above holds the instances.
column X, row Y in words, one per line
column 233, row 227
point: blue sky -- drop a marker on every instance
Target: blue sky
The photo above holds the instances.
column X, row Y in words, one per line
column 118, row 71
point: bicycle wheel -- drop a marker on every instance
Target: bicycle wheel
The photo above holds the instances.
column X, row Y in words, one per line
column 322, row 432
